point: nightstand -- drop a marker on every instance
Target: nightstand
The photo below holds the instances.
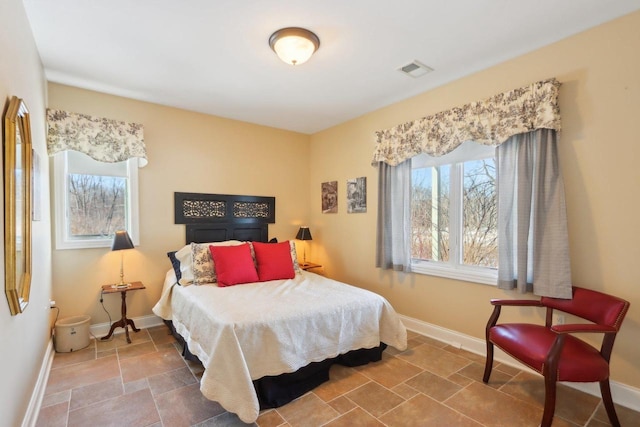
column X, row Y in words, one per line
column 309, row 265
column 123, row 322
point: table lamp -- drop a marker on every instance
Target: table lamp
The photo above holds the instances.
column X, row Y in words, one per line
column 304, row 234
column 121, row 241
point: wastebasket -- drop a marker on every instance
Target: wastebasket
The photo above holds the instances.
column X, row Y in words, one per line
column 72, row 333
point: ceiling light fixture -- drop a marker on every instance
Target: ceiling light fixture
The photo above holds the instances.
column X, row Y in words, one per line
column 294, row 45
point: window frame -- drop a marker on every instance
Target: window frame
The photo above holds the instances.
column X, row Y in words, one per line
column 454, row 267
column 61, row 203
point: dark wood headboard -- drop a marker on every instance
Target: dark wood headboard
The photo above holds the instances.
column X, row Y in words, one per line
column 220, row 232
column 219, row 217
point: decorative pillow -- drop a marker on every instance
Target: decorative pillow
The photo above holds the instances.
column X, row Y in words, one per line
column 234, row 264
column 203, row 266
column 294, row 257
column 273, row 261
column 273, row 240
column 175, row 264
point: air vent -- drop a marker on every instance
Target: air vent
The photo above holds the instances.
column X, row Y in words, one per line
column 415, row 69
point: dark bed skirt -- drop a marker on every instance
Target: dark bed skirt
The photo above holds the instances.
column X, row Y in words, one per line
column 275, row 391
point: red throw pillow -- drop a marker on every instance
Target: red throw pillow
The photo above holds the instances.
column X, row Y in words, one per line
column 234, row 264
column 274, row 261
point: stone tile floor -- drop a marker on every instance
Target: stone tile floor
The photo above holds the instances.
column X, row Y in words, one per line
column 148, row 383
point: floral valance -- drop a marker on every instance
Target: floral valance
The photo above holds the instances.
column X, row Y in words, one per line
column 105, row 140
column 489, row 122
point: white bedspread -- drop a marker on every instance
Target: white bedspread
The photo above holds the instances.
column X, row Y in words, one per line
column 245, row 332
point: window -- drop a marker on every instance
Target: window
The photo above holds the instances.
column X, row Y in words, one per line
column 94, row 199
column 454, row 214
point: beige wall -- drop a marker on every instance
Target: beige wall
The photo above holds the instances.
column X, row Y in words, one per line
column 187, row 152
column 599, row 154
column 24, row 337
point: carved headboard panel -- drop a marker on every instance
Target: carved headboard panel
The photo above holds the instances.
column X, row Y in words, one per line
column 219, row 217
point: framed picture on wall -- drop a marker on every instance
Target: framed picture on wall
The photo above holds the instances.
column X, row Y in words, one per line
column 357, row 195
column 330, row 197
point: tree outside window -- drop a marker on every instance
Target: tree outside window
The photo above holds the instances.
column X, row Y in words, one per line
column 454, row 214
column 97, row 205
column 480, row 214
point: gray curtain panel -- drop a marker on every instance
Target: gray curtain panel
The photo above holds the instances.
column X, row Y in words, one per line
column 532, row 220
column 393, row 250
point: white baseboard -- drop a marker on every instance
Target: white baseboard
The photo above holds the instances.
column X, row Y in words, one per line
column 33, row 410
column 144, row 322
column 622, row 394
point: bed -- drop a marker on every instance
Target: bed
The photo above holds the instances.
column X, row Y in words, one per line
column 267, row 341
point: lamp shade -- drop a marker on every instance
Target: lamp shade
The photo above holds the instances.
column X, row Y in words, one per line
column 304, row 234
column 294, row 45
column 122, row 241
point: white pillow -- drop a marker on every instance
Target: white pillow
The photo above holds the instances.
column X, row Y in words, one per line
column 186, row 270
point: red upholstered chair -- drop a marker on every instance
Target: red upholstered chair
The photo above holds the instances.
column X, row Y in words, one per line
column 556, row 354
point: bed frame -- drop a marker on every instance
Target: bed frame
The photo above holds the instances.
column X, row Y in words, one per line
column 220, row 217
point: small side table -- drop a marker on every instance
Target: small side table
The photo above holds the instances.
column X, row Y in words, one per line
column 123, row 322
column 309, row 265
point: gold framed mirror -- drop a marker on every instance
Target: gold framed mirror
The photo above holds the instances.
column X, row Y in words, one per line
column 17, row 205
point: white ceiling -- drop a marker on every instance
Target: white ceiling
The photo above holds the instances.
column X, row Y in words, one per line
column 212, row 56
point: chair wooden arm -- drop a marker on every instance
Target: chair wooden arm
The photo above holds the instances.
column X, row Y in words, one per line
column 499, row 303
column 581, row 327
column 517, row 302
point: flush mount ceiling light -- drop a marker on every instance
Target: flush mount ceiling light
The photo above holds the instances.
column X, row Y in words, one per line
column 294, row 45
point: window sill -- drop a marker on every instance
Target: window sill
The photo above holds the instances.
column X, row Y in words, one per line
column 486, row 276
column 83, row 244
column 62, row 244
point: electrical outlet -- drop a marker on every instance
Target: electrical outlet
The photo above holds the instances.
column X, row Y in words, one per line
column 558, row 319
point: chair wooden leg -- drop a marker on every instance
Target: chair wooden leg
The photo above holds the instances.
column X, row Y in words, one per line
column 489, row 362
column 605, row 389
column 549, row 401
column 493, row 319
